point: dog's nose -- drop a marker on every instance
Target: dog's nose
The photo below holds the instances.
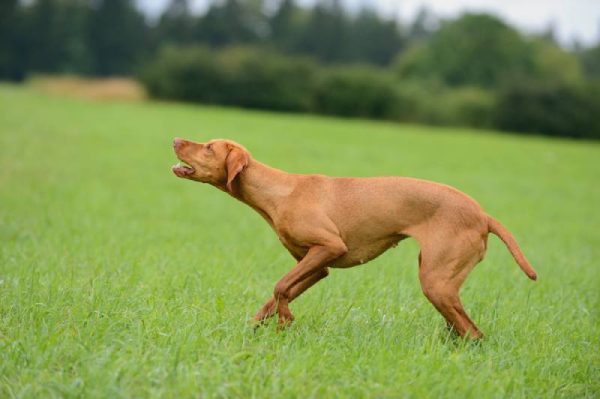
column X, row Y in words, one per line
column 177, row 142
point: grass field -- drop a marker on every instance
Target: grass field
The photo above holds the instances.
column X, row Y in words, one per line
column 119, row 280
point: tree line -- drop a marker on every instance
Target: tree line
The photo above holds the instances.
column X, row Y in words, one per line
column 474, row 70
column 113, row 37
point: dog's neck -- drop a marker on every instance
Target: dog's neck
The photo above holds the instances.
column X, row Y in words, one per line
column 262, row 187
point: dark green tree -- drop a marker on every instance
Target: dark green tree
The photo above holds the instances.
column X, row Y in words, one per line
column 325, row 34
column 227, row 23
column 475, row 49
column 52, row 36
column 590, row 60
column 284, row 25
column 373, row 39
column 45, row 31
column 176, row 24
column 74, row 17
column 12, row 46
column 423, row 26
column 116, row 37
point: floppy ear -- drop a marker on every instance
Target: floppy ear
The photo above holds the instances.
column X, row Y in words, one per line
column 236, row 161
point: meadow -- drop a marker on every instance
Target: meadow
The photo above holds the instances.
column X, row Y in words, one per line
column 119, row 280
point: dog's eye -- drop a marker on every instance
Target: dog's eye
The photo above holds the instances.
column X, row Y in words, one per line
column 208, row 147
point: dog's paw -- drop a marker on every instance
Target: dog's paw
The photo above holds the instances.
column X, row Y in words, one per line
column 266, row 311
column 285, row 319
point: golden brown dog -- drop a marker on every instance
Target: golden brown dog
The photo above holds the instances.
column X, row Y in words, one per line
column 342, row 222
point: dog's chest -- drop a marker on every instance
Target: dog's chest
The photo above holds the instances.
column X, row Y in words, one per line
column 290, row 243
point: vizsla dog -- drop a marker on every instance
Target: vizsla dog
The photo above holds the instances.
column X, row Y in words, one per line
column 342, row 222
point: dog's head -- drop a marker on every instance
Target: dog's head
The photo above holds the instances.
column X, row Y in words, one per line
column 217, row 162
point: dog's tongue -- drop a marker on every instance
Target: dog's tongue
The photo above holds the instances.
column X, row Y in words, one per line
column 182, row 170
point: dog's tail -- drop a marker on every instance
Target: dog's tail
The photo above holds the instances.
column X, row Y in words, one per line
column 496, row 227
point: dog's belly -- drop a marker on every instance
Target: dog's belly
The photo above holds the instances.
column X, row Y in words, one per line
column 363, row 252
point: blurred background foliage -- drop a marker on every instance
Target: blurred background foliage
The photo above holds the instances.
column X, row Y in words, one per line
column 474, row 70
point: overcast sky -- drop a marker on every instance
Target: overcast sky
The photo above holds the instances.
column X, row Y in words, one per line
column 571, row 18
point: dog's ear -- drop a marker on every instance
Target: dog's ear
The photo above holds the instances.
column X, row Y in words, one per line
column 237, row 160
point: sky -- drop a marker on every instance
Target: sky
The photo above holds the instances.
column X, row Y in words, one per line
column 572, row 19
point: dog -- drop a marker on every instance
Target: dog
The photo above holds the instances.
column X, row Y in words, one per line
column 340, row 222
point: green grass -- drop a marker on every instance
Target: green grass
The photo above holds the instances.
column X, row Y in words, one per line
column 119, row 280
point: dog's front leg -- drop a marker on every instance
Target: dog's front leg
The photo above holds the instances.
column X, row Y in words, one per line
column 317, row 258
column 270, row 307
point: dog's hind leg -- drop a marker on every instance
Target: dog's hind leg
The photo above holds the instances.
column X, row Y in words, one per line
column 442, row 272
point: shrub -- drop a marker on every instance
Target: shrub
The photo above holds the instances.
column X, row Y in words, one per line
column 189, row 74
column 245, row 77
column 469, row 106
column 356, row 91
column 260, row 79
column 552, row 109
column 439, row 105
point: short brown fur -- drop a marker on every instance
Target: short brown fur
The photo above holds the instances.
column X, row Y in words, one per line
column 342, row 222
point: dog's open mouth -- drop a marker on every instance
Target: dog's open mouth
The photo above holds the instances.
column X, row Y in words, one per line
column 182, row 169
